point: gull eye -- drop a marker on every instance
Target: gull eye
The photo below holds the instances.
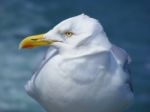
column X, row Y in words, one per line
column 69, row 34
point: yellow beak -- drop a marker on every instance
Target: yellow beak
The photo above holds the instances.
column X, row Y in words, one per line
column 35, row 41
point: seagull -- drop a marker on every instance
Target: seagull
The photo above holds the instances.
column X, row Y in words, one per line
column 82, row 70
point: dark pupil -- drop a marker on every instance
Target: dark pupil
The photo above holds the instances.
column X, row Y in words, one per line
column 68, row 34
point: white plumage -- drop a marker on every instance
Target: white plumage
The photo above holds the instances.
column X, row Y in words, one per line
column 82, row 73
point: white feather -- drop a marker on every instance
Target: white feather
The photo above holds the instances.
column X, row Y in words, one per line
column 84, row 73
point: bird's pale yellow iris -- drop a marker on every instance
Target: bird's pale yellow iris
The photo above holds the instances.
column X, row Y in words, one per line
column 35, row 41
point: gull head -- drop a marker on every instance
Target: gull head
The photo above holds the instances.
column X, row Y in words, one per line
column 75, row 32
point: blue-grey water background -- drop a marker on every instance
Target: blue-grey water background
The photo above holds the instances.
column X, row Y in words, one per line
column 126, row 22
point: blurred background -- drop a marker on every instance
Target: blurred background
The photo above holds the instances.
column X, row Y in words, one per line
column 126, row 22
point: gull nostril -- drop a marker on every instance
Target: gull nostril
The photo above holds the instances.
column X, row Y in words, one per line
column 34, row 39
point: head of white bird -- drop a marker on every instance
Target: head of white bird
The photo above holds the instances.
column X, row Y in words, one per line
column 74, row 32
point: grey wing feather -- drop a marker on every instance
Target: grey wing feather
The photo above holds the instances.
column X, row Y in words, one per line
column 124, row 60
column 121, row 55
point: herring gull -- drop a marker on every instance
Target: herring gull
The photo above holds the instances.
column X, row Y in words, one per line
column 82, row 71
